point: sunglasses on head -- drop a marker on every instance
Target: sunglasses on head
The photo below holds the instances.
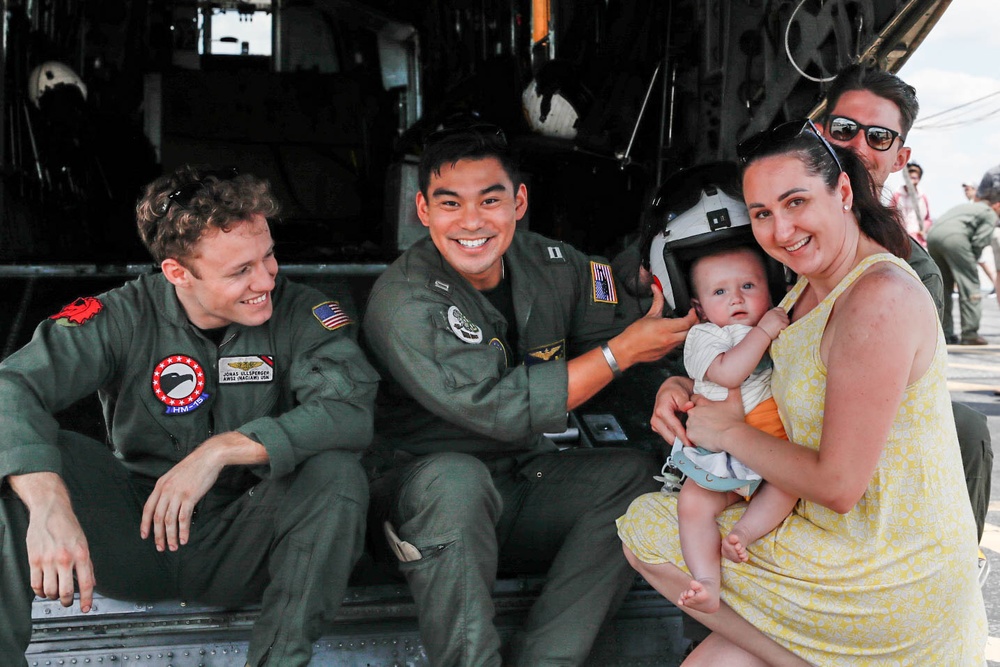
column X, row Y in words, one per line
column 183, row 195
column 843, row 129
column 778, row 136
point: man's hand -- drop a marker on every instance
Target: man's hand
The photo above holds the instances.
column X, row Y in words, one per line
column 672, row 399
column 56, row 544
column 647, row 339
column 650, row 337
column 169, row 508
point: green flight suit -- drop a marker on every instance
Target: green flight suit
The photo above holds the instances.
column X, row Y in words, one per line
column 955, row 241
column 973, row 430
column 287, row 533
column 477, row 486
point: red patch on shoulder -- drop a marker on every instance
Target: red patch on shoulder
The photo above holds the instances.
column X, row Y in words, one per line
column 80, row 311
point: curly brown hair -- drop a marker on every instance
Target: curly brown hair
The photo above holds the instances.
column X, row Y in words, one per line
column 203, row 198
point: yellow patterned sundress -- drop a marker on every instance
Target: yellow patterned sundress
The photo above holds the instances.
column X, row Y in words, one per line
column 893, row 581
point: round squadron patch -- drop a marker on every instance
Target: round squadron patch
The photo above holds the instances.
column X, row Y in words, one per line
column 179, row 383
column 466, row 331
column 498, row 344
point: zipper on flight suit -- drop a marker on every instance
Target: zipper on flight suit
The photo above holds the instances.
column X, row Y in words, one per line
column 215, row 361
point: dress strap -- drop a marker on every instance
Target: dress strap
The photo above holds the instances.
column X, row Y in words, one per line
column 793, row 294
column 863, row 266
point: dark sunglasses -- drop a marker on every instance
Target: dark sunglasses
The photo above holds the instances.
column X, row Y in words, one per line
column 484, row 132
column 843, row 129
column 183, row 195
column 780, row 135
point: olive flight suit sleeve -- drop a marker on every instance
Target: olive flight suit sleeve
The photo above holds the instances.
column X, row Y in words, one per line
column 466, row 383
column 332, row 386
column 601, row 312
column 929, row 273
column 70, row 356
column 982, row 230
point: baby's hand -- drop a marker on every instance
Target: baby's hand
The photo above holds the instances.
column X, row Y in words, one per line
column 773, row 322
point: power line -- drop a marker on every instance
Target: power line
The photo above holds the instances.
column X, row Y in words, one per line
column 980, row 99
column 966, row 116
column 958, row 123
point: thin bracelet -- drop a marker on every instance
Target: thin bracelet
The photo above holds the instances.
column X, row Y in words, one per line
column 609, row 356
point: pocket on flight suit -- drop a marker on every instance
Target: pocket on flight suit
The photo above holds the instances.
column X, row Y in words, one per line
column 464, row 364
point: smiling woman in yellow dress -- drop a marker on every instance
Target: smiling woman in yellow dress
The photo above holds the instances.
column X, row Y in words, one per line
column 875, row 566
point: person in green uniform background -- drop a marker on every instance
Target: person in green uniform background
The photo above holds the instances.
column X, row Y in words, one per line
column 955, row 242
column 485, row 338
column 237, row 404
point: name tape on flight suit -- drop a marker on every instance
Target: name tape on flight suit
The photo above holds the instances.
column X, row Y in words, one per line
column 234, row 370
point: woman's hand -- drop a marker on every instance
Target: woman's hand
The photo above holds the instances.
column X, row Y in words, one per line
column 709, row 421
column 672, row 400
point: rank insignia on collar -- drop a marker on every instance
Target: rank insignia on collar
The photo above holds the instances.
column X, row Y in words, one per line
column 331, row 315
column 462, row 327
column 78, row 312
column 179, row 383
column 604, row 283
column 542, row 353
column 555, row 253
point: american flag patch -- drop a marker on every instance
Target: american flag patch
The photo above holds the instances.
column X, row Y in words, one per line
column 604, row 283
column 331, row 315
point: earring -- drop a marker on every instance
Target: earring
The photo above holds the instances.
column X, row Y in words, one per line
column 846, row 207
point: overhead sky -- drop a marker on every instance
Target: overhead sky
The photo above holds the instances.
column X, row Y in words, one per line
column 955, row 65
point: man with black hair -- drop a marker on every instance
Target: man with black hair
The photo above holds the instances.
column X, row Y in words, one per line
column 487, row 337
column 237, row 404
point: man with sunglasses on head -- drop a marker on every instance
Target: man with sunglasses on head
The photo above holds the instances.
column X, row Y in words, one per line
column 236, row 403
column 486, row 337
column 871, row 111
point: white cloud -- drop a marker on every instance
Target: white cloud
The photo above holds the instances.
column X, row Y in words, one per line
column 956, row 64
column 939, row 89
column 962, row 20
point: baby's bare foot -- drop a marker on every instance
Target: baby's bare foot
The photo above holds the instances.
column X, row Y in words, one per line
column 734, row 547
column 701, row 596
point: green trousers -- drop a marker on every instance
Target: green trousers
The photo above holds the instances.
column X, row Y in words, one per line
column 953, row 255
column 289, row 543
column 553, row 515
column 977, row 459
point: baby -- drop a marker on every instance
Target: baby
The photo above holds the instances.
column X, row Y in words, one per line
column 728, row 350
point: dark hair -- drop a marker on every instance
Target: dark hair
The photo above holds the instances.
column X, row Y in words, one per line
column 913, row 166
column 466, row 142
column 878, row 82
column 879, row 223
column 175, row 210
